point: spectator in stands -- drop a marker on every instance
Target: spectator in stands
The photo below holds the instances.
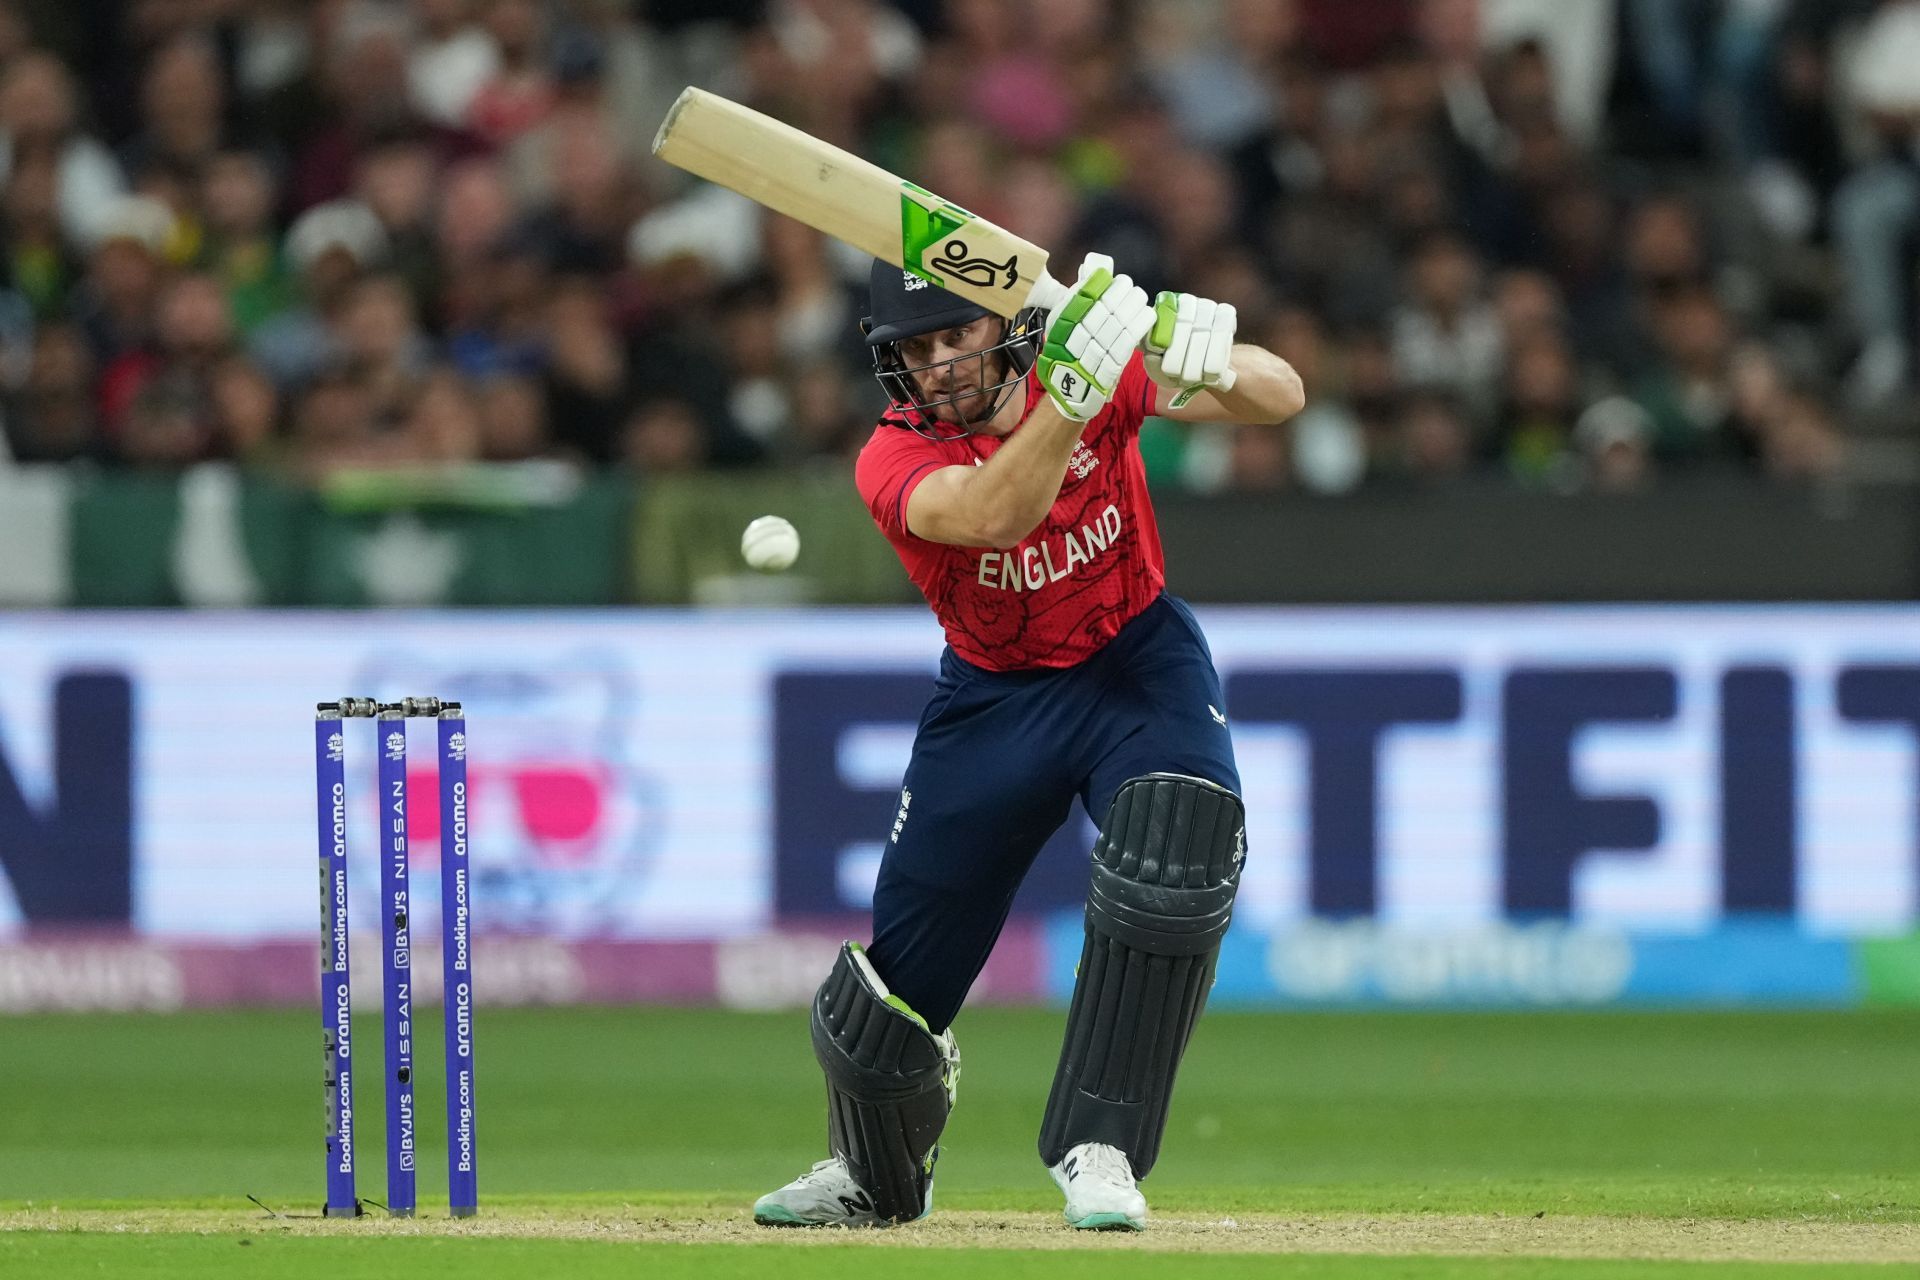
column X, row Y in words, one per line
column 395, row 179
column 157, row 400
column 1665, row 246
column 452, row 58
column 1446, row 336
column 1471, row 216
column 1198, row 211
column 504, row 328
column 1122, row 212
column 513, row 419
column 1374, row 394
column 1582, row 259
column 1803, row 443
column 1433, row 443
column 183, row 110
column 1757, row 393
column 1328, row 444
column 331, row 247
column 1540, row 402
column 824, row 422
column 381, row 347
column 1527, row 302
column 240, row 248
column 164, row 425
column 1219, row 80
column 40, row 267
column 246, row 413
column 475, row 211
column 580, row 224
column 1614, row 440
column 360, row 81
column 664, row 436
column 54, row 418
column 115, row 302
column 1262, row 461
column 1794, row 182
column 332, row 426
column 39, row 114
column 444, row 422
column 521, row 91
column 1790, row 431
column 750, row 345
column 637, row 75
column 1876, row 210
column 1686, row 393
column 674, row 355
column 1283, row 159
column 588, row 377
column 813, row 313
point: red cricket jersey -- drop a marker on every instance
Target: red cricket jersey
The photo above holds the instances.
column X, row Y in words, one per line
column 1067, row 589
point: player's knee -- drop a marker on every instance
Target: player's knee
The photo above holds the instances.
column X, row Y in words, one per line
column 1167, row 864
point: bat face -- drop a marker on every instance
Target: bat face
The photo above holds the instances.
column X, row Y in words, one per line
column 838, row 193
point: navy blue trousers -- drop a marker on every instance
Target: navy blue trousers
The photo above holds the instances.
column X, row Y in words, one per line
column 997, row 762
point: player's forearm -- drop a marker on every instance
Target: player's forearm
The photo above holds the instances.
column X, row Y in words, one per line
column 1016, row 488
column 1265, row 387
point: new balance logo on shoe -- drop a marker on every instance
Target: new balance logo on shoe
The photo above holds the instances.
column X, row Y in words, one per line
column 1101, row 1194
column 824, row 1196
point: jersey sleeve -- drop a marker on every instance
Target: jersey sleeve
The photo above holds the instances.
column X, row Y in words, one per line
column 891, row 465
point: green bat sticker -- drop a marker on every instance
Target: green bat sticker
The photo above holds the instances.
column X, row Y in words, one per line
column 930, row 247
column 924, row 227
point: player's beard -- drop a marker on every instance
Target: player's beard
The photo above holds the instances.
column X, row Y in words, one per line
column 969, row 381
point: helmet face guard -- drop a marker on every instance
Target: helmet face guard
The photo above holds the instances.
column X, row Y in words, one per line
column 1019, row 343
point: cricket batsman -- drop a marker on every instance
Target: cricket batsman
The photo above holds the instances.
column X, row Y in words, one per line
column 1006, row 475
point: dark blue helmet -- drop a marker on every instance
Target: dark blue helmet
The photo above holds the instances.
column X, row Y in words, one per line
column 903, row 305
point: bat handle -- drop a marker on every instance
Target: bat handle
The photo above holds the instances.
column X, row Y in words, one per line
column 1047, row 293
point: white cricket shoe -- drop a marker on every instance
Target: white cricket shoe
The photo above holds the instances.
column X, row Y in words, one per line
column 824, row 1196
column 1101, row 1195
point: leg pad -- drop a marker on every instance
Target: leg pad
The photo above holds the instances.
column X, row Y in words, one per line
column 1165, row 871
column 890, row 1085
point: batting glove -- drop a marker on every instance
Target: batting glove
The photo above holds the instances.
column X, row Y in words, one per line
column 1091, row 337
column 1190, row 345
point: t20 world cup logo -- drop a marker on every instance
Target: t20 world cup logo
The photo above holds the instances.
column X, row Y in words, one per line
column 563, row 823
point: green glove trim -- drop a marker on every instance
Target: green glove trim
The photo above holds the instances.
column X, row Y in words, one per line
column 1083, row 299
column 1166, row 309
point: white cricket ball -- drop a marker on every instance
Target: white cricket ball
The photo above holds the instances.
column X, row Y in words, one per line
column 770, row 543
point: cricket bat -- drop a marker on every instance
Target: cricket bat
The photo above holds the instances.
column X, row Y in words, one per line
column 841, row 195
column 835, row 192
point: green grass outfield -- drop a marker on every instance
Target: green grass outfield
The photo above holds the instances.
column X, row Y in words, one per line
column 630, row 1142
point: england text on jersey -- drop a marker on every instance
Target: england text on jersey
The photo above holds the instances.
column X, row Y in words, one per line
column 1031, row 567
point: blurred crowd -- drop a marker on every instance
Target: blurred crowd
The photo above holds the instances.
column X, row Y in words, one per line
column 1576, row 243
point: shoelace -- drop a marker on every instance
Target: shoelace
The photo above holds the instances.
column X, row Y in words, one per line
column 819, row 1175
column 1109, row 1163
